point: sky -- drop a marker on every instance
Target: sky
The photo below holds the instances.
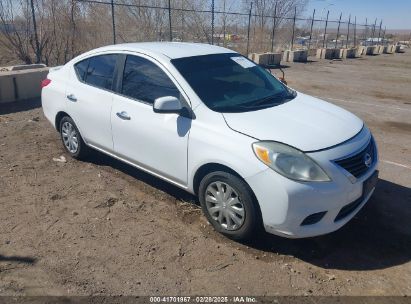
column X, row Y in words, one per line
column 396, row 14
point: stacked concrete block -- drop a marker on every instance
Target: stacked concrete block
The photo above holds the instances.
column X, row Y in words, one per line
column 389, row 49
column 295, row 56
column 266, row 59
column 312, row 52
column 372, row 50
column 399, row 49
column 325, row 54
column 21, row 84
column 361, row 51
column 380, row 49
column 349, row 53
column 339, row 53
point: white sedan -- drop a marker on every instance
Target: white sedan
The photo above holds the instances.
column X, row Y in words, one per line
column 206, row 119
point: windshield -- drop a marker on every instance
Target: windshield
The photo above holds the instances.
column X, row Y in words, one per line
column 232, row 83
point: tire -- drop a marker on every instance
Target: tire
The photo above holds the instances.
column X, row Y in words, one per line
column 247, row 226
column 78, row 151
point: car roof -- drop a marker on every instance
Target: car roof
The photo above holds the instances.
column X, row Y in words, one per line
column 172, row 50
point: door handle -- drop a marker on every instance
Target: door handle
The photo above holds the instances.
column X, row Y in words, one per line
column 123, row 115
column 71, row 97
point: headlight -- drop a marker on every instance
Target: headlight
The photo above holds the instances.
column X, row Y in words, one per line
column 289, row 161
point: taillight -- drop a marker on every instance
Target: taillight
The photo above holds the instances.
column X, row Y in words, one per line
column 45, row 83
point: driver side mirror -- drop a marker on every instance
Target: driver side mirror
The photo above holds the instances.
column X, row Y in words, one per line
column 167, row 104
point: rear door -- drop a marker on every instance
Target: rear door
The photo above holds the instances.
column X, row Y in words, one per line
column 90, row 95
column 156, row 142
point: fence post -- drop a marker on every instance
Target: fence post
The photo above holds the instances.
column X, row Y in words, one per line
column 373, row 30
column 182, row 20
column 293, row 36
column 274, row 26
column 169, row 21
column 73, row 28
column 249, row 25
column 36, row 37
column 379, row 33
column 338, row 31
column 325, row 31
column 348, row 32
column 355, row 31
column 311, row 30
column 212, row 22
column 113, row 21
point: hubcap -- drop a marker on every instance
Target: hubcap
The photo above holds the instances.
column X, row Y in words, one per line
column 70, row 138
column 224, row 206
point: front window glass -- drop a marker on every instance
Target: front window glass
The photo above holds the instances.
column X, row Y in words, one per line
column 145, row 81
column 232, row 83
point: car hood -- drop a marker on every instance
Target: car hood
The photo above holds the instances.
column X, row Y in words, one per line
column 306, row 123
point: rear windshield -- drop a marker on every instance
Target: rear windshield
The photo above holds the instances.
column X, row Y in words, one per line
column 232, row 83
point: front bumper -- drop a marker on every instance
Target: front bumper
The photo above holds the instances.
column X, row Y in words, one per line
column 286, row 204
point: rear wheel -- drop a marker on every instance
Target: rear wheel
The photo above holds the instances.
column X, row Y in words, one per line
column 71, row 138
column 229, row 205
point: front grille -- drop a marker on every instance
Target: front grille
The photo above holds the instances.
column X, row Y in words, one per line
column 356, row 164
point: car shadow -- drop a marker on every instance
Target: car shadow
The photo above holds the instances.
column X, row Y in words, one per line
column 17, row 259
column 19, row 106
column 379, row 236
column 101, row 159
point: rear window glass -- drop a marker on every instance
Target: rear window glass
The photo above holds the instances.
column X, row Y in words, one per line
column 100, row 71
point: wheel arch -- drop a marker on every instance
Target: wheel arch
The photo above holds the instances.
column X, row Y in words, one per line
column 58, row 119
column 205, row 169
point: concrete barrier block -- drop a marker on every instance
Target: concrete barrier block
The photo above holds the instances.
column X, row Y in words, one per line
column 295, row 56
column 361, row 51
column 299, row 56
column 312, row 52
column 21, row 84
column 266, row 59
column 339, row 53
column 348, row 53
column 399, row 49
column 372, row 50
column 389, row 49
column 325, row 54
column 286, row 56
column 28, row 67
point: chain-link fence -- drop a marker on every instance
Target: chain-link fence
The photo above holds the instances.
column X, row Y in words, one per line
column 56, row 31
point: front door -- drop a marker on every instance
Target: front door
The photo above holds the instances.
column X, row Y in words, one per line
column 156, row 142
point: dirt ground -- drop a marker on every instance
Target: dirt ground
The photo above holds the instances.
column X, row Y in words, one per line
column 104, row 228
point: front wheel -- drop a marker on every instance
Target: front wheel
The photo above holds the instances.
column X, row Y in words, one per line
column 229, row 205
column 71, row 138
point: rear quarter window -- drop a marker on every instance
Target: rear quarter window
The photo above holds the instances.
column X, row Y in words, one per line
column 81, row 69
column 97, row 71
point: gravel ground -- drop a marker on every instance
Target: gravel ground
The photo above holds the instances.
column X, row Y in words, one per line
column 104, row 228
